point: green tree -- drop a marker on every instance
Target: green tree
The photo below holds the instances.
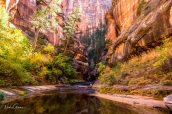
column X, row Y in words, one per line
column 46, row 19
column 14, row 50
column 70, row 28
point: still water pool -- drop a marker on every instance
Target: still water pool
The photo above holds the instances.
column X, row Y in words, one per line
column 65, row 103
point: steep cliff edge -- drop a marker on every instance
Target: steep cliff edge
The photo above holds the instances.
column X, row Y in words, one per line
column 139, row 51
column 136, row 33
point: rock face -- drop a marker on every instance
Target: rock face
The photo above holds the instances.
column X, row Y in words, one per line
column 92, row 12
column 168, row 101
column 23, row 14
column 139, row 33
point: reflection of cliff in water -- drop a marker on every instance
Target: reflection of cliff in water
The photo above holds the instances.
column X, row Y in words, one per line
column 67, row 104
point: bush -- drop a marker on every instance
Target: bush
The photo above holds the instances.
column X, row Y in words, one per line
column 139, row 81
column 167, row 82
column 64, row 63
column 107, row 79
column 101, row 67
column 2, row 96
column 13, row 73
column 59, row 68
column 49, row 49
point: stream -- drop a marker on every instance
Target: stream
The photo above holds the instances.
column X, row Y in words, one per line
column 67, row 102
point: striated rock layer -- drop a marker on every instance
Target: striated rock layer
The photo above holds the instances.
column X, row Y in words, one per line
column 91, row 13
column 137, row 33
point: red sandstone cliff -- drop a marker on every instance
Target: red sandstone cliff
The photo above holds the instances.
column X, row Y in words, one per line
column 135, row 34
column 91, row 12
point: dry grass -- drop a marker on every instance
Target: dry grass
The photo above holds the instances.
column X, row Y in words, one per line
column 149, row 68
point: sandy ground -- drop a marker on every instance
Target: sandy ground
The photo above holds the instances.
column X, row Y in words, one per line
column 132, row 100
column 146, row 105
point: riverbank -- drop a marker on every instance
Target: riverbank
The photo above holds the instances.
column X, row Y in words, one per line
column 133, row 101
column 14, row 93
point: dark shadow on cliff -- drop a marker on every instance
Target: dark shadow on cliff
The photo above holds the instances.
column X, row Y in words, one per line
column 94, row 43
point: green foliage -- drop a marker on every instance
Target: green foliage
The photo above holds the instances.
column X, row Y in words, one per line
column 95, row 45
column 107, row 77
column 49, row 49
column 160, row 93
column 3, row 18
column 167, row 82
column 164, row 53
column 19, row 64
column 70, row 28
column 39, row 59
column 14, row 50
column 13, row 44
column 139, row 81
column 45, row 19
column 71, row 24
column 2, row 96
column 101, row 67
column 140, row 7
column 61, row 68
column 13, row 73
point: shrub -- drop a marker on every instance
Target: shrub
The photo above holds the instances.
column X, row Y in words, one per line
column 2, row 96
column 49, row 49
column 44, row 71
column 60, row 68
column 13, row 73
column 101, row 67
column 160, row 93
column 64, row 63
column 26, row 65
column 39, row 59
column 167, row 82
column 139, row 81
column 108, row 79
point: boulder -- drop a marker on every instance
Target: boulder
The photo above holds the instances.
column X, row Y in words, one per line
column 168, row 101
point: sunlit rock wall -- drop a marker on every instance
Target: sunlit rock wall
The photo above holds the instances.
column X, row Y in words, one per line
column 23, row 15
column 92, row 12
column 135, row 34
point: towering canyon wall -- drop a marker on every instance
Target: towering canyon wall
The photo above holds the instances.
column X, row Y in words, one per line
column 91, row 13
column 121, row 16
column 136, row 33
column 23, row 14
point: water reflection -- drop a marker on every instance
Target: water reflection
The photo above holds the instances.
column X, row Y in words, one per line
column 62, row 103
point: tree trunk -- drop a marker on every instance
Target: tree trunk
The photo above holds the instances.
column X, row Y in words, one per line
column 36, row 38
column 54, row 35
column 67, row 41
